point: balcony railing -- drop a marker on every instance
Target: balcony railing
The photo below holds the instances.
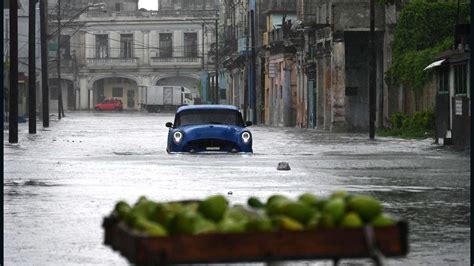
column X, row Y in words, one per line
column 159, row 13
column 174, row 13
column 175, row 60
column 133, row 61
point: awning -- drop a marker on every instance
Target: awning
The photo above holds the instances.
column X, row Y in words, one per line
column 435, row 64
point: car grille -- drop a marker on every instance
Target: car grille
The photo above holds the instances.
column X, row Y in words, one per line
column 211, row 145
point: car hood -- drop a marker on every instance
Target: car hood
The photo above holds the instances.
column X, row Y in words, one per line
column 211, row 131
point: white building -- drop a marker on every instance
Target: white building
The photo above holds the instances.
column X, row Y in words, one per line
column 121, row 52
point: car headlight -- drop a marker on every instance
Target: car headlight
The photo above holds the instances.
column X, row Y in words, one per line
column 177, row 137
column 246, row 137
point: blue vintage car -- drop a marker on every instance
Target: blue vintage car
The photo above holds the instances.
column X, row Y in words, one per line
column 211, row 128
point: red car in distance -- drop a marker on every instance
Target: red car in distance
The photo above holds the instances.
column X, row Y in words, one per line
column 110, row 104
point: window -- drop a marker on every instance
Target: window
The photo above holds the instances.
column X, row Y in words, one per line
column 208, row 116
column 126, row 45
column 117, row 92
column 443, row 80
column 460, row 76
column 190, row 44
column 166, row 45
column 101, row 46
column 118, row 7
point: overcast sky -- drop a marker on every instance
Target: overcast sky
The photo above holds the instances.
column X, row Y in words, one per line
column 148, row 4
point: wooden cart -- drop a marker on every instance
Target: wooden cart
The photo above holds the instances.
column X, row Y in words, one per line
column 334, row 244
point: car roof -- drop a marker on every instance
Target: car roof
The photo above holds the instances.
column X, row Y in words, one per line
column 207, row 107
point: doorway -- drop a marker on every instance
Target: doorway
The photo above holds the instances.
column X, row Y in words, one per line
column 130, row 99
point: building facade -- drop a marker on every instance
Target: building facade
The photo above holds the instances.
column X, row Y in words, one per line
column 333, row 62
column 452, row 100
column 121, row 52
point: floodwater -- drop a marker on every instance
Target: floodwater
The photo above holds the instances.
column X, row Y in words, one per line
column 61, row 182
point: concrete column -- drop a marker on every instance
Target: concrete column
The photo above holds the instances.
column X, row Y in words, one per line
column 327, row 91
column 270, row 101
column 84, row 94
column 338, row 116
column 77, row 91
column 390, row 22
column 380, row 107
column 90, row 46
column 114, row 46
column 178, row 43
column 287, row 94
column 91, row 97
column 319, row 94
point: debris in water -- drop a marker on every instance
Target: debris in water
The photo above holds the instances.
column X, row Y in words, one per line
column 283, row 166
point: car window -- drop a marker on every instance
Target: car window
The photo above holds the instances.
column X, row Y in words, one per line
column 208, row 116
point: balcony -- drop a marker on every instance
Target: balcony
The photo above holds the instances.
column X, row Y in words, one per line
column 119, row 62
column 168, row 61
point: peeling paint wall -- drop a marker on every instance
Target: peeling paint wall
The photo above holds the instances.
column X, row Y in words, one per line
column 338, row 120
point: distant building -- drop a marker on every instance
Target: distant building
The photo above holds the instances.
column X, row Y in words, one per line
column 332, row 62
column 453, row 94
column 120, row 51
column 244, row 81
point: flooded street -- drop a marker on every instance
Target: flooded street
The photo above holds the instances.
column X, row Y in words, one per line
column 61, row 182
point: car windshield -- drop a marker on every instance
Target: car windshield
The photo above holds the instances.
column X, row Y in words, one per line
column 208, row 116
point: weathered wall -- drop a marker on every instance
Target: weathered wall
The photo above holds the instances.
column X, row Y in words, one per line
column 327, row 91
column 338, row 120
column 357, row 91
column 355, row 16
column 320, row 92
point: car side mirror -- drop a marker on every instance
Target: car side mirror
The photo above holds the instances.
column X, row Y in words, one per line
column 248, row 123
column 169, row 124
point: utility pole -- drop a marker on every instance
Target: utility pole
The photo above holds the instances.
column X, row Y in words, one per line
column 202, row 44
column 216, row 92
column 44, row 62
column 32, row 67
column 247, row 68
column 13, row 95
column 253, row 64
column 203, row 88
column 58, row 64
column 372, row 72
